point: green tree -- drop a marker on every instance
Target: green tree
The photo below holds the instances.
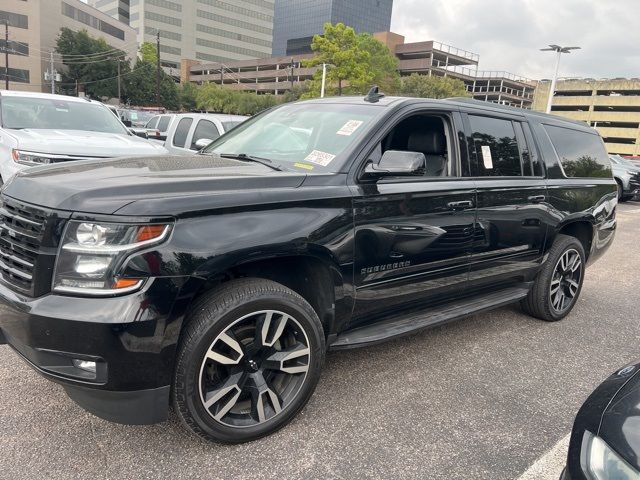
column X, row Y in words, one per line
column 148, row 52
column 383, row 65
column 214, row 98
column 340, row 47
column 90, row 62
column 425, row 86
column 140, row 83
column 188, row 92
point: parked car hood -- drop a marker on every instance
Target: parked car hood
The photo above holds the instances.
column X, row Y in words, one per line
column 620, row 424
column 84, row 143
column 106, row 186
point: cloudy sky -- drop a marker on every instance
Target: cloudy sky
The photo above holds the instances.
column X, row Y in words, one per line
column 509, row 33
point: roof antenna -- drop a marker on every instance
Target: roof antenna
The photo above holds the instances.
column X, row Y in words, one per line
column 374, row 95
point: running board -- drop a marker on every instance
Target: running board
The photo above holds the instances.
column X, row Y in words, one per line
column 396, row 327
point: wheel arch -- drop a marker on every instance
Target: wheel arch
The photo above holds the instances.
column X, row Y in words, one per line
column 582, row 229
column 314, row 276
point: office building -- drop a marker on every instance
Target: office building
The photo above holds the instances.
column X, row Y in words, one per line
column 278, row 74
column 611, row 106
column 297, row 21
column 206, row 30
column 34, row 26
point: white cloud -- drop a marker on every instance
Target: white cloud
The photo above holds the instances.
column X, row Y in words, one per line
column 509, row 33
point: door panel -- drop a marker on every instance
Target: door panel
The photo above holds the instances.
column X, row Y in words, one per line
column 512, row 208
column 413, row 240
column 513, row 214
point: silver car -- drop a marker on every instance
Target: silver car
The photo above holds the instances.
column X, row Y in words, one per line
column 190, row 132
column 627, row 175
column 41, row 128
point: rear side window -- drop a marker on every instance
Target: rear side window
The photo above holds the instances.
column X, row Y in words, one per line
column 204, row 129
column 581, row 154
column 180, row 137
column 163, row 124
column 496, row 147
column 152, row 123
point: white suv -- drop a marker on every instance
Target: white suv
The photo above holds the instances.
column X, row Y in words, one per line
column 41, row 128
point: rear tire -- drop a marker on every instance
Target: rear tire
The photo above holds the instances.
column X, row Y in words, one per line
column 248, row 361
column 559, row 283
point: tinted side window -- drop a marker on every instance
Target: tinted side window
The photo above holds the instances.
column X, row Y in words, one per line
column 163, row 124
column 204, row 129
column 152, row 123
column 180, row 137
column 581, row 154
column 496, row 147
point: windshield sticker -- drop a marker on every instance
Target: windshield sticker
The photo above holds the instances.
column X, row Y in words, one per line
column 306, row 166
column 486, row 156
column 61, row 106
column 320, row 158
column 349, row 127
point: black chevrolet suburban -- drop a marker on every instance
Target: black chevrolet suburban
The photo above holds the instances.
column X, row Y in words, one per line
column 215, row 283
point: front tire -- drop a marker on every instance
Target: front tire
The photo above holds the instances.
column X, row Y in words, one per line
column 248, row 361
column 559, row 283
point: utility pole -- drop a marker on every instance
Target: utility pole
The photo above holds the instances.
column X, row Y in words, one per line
column 559, row 51
column 6, row 54
column 158, row 68
column 53, row 74
column 119, row 96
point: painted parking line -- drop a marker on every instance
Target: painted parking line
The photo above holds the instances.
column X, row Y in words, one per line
column 549, row 466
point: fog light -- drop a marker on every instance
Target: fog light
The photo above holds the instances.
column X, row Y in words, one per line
column 86, row 365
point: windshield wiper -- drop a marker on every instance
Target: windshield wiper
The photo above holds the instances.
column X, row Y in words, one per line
column 250, row 158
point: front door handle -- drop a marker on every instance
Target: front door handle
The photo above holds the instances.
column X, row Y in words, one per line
column 460, row 205
column 537, row 198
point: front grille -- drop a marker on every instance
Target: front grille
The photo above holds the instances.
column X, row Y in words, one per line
column 21, row 235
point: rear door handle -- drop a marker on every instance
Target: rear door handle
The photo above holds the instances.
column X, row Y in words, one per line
column 537, row 198
column 460, row 205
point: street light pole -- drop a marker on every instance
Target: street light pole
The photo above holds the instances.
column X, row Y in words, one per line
column 324, row 79
column 559, row 51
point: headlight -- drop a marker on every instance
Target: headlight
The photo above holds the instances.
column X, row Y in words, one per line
column 600, row 462
column 91, row 255
column 30, row 158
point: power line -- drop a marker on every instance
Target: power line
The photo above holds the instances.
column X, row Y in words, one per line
column 90, row 81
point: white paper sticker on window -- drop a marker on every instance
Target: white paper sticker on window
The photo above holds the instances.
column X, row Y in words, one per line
column 486, row 156
column 320, row 158
column 349, row 127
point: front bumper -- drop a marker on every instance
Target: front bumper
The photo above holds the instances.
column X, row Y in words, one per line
column 131, row 339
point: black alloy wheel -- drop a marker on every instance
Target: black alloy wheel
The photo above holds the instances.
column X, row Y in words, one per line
column 557, row 287
column 254, row 368
column 249, row 359
column 566, row 281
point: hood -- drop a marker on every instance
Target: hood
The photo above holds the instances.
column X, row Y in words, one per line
column 106, row 186
column 84, row 143
column 620, row 425
column 624, row 168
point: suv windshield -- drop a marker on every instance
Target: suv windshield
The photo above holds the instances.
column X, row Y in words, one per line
column 47, row 113
column 305, row 135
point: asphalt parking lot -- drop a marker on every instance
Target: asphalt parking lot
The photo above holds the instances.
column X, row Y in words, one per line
column 482, row 398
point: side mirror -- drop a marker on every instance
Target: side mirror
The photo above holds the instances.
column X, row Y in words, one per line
column 397, row 163
column 139, row 132
column 203, row 142
column 127, row 123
